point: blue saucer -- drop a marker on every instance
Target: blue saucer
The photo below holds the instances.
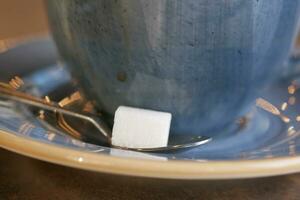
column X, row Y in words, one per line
column 268, row 134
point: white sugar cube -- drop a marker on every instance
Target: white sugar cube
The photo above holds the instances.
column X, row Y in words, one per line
column 140, row 128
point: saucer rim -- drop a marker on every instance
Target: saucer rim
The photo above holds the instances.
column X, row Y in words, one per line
column 170, row 169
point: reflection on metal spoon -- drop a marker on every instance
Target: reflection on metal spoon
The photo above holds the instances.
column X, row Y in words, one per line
column 45, row 104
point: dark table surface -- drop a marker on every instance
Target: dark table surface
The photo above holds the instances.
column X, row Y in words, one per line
column 25, row 178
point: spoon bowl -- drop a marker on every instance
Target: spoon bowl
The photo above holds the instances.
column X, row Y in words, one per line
column 10, row 93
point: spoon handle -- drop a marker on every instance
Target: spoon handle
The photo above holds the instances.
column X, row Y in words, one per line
column 21, row 97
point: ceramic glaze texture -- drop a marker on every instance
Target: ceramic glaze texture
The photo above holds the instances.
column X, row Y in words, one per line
column 202, row 60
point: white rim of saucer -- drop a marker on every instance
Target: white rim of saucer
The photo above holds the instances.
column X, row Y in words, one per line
column 171, row 169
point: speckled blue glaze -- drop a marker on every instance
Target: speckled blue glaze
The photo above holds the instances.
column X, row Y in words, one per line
column 202, row 60
column 265, row 136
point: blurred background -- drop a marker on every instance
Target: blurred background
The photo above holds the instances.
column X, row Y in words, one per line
column 22, row 18
column 22, row 21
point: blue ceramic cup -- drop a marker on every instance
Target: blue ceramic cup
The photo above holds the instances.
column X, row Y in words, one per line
column 204, row 61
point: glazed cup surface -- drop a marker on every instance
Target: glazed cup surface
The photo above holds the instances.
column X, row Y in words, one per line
column 203, row 61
